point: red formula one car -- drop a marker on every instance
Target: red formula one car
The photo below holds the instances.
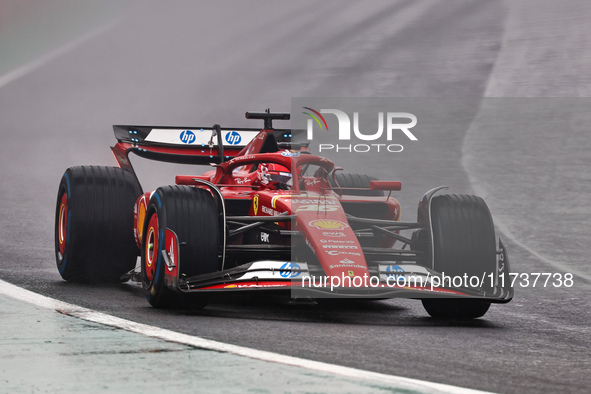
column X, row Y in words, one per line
column 271, row 217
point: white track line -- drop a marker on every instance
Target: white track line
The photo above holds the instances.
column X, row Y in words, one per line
column 39, row 300
column 32, row 66
column 481, row 190
column 504, row 229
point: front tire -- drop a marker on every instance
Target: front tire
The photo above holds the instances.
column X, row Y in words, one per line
column 464, row 244
column 447, row 308
column 94, row 224
column 192, row 214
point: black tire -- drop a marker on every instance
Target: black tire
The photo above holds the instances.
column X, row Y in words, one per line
column 464, row 244
column 193, row 215
column 447, row 308
column 94, row 224
column 344, row 179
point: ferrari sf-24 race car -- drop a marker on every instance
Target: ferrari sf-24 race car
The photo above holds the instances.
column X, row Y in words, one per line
column 271, row 217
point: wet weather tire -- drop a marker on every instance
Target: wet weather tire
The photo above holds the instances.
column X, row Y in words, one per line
column 94, row 224
column 464, row 244
column 446, row 308
column 361, row 181
column 192, row 214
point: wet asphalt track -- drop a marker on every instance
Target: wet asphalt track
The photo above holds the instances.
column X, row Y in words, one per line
column 184, row 63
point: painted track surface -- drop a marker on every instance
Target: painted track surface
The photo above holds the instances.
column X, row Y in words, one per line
column 189, row 64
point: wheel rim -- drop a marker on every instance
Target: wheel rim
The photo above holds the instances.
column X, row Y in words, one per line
column 63, row 224
column 151, row 248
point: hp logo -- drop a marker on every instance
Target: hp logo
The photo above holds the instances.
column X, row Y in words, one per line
column 187, row 137
column 397, row 272
column 289, row 266
column 233, row 138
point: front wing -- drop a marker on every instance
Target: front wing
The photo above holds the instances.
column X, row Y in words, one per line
column 301, row 280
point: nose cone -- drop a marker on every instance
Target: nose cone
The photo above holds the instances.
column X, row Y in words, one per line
column 327, row 233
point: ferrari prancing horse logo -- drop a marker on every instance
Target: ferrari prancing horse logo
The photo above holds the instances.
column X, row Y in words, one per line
column 255, row 204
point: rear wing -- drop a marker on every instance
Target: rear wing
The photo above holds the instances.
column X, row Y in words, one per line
column 189, row 145
column 199, row 145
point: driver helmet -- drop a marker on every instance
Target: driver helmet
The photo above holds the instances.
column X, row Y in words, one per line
column 278, row 173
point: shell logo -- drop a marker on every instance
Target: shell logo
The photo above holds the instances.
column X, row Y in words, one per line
column 325, row 224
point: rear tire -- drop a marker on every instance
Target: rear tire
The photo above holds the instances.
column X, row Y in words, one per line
column 94, row 224
column 464, row 244
column 344, row 179
column 192, row 214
